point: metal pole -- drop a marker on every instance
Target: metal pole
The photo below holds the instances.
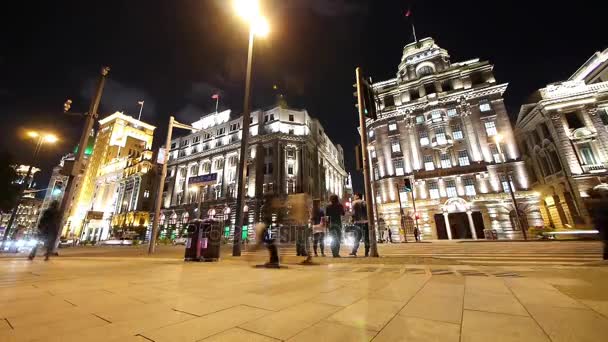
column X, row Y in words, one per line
column 91, row 116
column 159, row 192
column 141, row 109
column 366, row 175
column 513, row 199
column 240, row 197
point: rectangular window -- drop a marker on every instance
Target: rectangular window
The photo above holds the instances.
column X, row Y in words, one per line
column 452, row 112
column 495, row 153
column 376, row 174
column 457, row 131
column 291, row 131
column 436, row 115
column 463, row 158
column 291, row 117
column 424, row 137
column 396, row 147
column 373, row 153
column 184, row 142
column 221, row 131
column 428, row 163
column 389, row 101
column 271, row 117
column 290, row 169
column 445, row 161
column 451, row 188
column 196, row 139
column 574, row 121
column 173, row 145
column 370, row 133
column 490, row 128
column 266, row 118
column 433, row 190
column 219, row 164
column 469, row 186
column 587, row 155
column 206, row 168
column 504, row 181
column 291, row 153
column 440, row 136
column 420, row 119
column 604, row 116
column 398, row 165
column 251, row 119
column 484, row 106
column 146, row 193
column 392, row 127
column 268, row 169
column 234, row 127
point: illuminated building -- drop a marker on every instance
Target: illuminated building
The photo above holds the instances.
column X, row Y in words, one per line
column 444, row 126
column 562, row 135
column 26, row 218
column 119, row 138
column 289, row 153
column 135, row 200
column 56, row 184
column 21, row 171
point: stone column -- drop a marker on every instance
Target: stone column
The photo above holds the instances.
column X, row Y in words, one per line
column 602, row 133
column 472, row 224
column 447, row 225
column 469, row 131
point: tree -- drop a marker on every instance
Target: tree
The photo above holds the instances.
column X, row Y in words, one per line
column 10, row 190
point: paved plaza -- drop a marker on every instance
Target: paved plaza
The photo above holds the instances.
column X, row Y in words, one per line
column 116, row 294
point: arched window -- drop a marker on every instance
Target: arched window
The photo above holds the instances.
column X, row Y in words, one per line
column 425, row 70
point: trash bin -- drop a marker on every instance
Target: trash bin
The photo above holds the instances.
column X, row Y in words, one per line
column 194, row 236
column 211, row 240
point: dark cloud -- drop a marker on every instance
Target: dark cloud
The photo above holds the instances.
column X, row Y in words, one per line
column 120, row 97
column 329, row 8
column 189, row 114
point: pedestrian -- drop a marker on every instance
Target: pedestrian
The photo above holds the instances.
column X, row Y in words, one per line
column 390, row 234
column 334, row 212
column 318, row 226
column 599, row 212
column 417, row 234
column 360, row 220
column 264, row 237
column 48, row 228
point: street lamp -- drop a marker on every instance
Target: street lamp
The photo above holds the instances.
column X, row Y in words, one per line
column 40, row 138
column 498, row 138
column 249, row 10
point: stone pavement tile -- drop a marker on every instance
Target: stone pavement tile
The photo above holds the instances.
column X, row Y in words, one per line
column 553, row 297
column 325, row 331
column 341, row 297
column 28, row 306
column 491, row 295
column 402, row 289
column 565, row 281
column 411, row 329
column 370, row 314
column 486, row 326
column 600, row 306
column 568, row 324
column 11, row 294
column 527, row 283
column 206, row 306
column 288, row 322
column 437, row 301
column 131, row 312
column 134, row 338
column 276, row 302
column 120, row 330
column 100, row 300
column 199, row 328
column 56, row 328
column 238, row 335
column 38, row 318
column 4, row 325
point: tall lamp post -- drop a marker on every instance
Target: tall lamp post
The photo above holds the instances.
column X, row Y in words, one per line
column 40, row 138
column 498, row 139
column 249, row 10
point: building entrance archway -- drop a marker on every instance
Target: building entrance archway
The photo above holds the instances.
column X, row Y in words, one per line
column 458, row 221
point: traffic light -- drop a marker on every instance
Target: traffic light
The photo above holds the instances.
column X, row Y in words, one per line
column 369, row 99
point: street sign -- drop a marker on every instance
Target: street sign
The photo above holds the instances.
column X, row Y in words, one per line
column 203, row 180
column 94, row 215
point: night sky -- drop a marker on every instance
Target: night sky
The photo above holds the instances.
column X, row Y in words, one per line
column 175, row 54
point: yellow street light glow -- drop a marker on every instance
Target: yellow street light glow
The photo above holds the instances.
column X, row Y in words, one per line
column 32, row 134
column 50, row 138
column 260, row 27
column 249, row 10
column 498, row 138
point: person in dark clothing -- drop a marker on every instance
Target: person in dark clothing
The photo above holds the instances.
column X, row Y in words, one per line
column 263, row 237
column 390, row 234
column 48, row 228
column 417, row 234
column 360, row 220
column 318, row 226
column 599, row 212
column 334, row 212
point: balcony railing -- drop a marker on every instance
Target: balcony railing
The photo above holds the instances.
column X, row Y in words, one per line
column 594, row 168
column 455, row 170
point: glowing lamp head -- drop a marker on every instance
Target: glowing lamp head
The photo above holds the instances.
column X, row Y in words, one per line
column 498, row 138
column 260, row 27
column 33, row 134
column 50, row 138
column 247, row 9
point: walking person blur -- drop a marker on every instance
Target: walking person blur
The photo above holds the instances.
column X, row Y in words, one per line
column 417, row 234
column 360, row 220
column 335, row 211
column 318, row 226
column 599, row 213
column 390, row 234
column 48, row 228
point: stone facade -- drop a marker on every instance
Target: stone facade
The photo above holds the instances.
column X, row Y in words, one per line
column 444, row 126
column 289, row 153
column 564, row 141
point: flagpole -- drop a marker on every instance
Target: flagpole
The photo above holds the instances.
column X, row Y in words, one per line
column 141, row 108
column 217, row 102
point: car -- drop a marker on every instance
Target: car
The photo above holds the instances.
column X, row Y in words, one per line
column 66, row 243
column 117, row 242
column 21, row 245
column 180, row 241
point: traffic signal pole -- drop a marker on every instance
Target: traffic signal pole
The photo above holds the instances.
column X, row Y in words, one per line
column 366, row 174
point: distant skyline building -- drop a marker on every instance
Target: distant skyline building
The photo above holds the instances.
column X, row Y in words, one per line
column 444, row 126
column 562, row 133
column 289, row 153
